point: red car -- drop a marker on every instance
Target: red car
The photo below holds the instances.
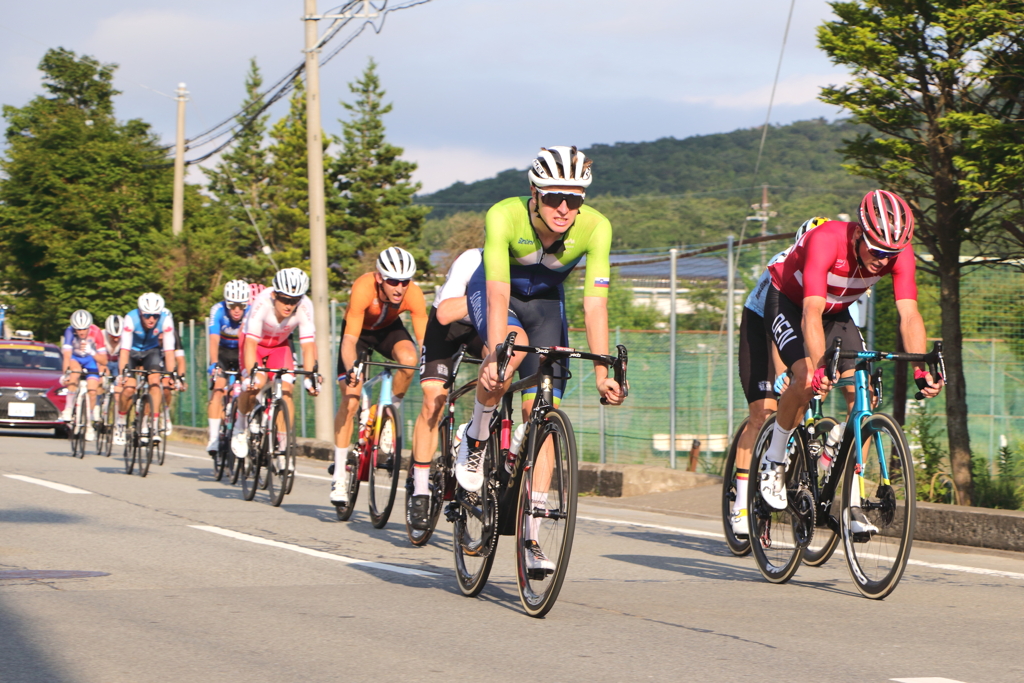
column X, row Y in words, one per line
column 31, row 396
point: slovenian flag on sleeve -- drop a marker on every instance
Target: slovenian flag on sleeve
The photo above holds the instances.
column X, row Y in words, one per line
column 600, row 282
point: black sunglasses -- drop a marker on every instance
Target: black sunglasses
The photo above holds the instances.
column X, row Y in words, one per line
column 150, row 316
column 880, row 254
column 288, row 300
column 395, row 282
column 554, row 200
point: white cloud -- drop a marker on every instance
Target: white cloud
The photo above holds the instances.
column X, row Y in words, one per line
column 439, row 167
column 795, row 90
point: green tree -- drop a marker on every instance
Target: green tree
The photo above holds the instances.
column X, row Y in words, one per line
column 85, row 199
column 374, row 185
column 938, row 84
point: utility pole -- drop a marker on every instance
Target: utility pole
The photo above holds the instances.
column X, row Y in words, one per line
column 317, row 227
column 762, row 214
column 178, row 205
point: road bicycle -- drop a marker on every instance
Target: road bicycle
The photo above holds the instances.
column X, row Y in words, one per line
column 141, row 429
column 442, row 469
column 530, row 494
column 378, row 457
column 872, row 475
column 224, row 459
column 269, row 462
column 80, row 416
column 108, row 415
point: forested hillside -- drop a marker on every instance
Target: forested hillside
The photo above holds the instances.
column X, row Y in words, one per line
column 692, row 191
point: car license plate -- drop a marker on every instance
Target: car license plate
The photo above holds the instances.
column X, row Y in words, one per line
column 21, row 410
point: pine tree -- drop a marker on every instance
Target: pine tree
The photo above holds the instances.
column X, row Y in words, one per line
column 373, row 184
column 85, row 202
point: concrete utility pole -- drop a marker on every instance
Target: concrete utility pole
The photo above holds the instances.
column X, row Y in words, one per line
column 762, row 214
column 317, row 227
column 178, row 205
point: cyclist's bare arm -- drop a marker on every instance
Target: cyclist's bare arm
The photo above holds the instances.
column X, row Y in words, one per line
column 450, row 310
column 498, row 294
column 595, row 318
column 814, row 335
column 249, row 352
column 214, row 348
column 169, row 360
column 348, row 352
column 915, row 340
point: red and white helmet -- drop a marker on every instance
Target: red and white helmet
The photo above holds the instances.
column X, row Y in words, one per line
column 887, row 220
column 254, row 290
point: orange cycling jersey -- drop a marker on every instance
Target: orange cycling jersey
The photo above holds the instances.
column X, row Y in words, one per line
column 367, row 312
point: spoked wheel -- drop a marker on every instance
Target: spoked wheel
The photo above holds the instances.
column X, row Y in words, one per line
column 738, row 545
column 825, row 541
column 131, row 440
column 145, row 424
column 252, row 463
column 777, row 534
column 878, row 512
column 280, row 454
column 546, row 514
column 109, row 420
column 79, row 419
column 351, row 479
column 475, row 532
column 385, row 467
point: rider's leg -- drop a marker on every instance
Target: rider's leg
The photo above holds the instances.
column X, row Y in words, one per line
column 287, row 393
column 72, row 396
column 156, row 393
column 215, row 409
column 758, row 412
column 791, row 406
column 487, row 401
column 348, row 407
column 403, row 352
column 424, row 434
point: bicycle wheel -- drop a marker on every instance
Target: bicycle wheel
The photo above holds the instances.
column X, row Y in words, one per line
column 775, row 533
column 278, row 445
column 878, row 556
column 145, row 424
column 475, row 532
column 385, row 467
column 161, row 429
column 825, row 541
column 738, row 546
column 109, row 419
column 250, row 468
column 223, row 456
column 351, row 479
column 131, row 439
column 546, row 513
column 79, row 416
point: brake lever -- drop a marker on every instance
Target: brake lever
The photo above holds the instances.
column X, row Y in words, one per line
column 505, row 355
column 619, row 371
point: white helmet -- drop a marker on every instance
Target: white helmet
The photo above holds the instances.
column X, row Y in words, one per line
column 114, row 325
column 560, row 166
column 236, row 292
column 151, row 303
column 808, row 225
column 291, row 282
column 397, row 263
column 81, row 320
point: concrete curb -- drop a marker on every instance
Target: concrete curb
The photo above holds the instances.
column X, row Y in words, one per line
column 617, row 481
column 977, row 527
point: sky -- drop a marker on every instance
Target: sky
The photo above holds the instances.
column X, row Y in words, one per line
column 477, row 85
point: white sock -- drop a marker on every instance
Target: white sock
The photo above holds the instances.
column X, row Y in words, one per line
column 741, row 492
column 479, row 428
column 214, row 427
column 540, row 500
column 241, row 422
column 121, row 419
column 421, row 479
column 70, row 401
column 777, row 448
column 340, row 456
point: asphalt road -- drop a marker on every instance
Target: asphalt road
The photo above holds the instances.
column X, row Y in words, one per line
column 189, row 594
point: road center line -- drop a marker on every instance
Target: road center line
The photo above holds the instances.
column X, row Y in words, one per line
column 312, row 553
column 48, row 484
column 208, row 459
column 918, row 563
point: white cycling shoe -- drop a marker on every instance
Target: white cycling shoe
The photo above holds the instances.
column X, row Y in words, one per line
column 772, row 484
column 469, row 466
column 240, row 445
column 740, row 524
column 860, row 524
column 213, row 445
column 536, row 560
column 339, row 494
column 90, row 433
column 120, row 439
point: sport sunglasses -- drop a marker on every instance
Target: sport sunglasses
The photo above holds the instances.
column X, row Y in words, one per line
column 288, row 300
column 881, row 253
column 554, row 200
column 395, row 282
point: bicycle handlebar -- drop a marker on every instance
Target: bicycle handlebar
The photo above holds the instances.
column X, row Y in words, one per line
column 934, row 360
column 460, row 357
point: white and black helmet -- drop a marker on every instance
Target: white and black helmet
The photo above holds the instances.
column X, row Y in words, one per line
column 236, row 292
column 291, row 282
column 395, row 262
column 114, row 325
column 565, row 166
column 151, row 303
column 81, row 319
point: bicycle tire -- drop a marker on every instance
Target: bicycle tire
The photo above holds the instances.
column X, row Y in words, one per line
column 277, row 464
column 737, row 546
column 109, row 424
column 420, row 537
column 145, row 417
column 250, row 469
column 475, row 536
column 385, row 467
column 351, row 479
column 554, row 530
column 79, row 417
column 223, row 456
column 130, row 439
column 825, row 541
column 877, row 561
column 161, row 425
column 773, row 538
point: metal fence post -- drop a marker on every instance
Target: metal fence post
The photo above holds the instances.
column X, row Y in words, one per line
column 192, row 366
column 992, row 407
column 730, row 334
column 672, row 253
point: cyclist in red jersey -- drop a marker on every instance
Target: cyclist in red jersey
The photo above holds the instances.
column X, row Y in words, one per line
column 808, row 304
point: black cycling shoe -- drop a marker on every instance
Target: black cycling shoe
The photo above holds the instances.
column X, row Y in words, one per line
column 418, row 512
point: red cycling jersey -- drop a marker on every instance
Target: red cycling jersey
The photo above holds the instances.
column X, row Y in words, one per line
column 824, row 263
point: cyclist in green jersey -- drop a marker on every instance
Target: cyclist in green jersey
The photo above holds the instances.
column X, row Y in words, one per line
column 531, row 246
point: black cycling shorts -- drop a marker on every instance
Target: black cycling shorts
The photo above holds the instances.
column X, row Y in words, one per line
column 757, row 372
column 153, row 359
column 441, row 343
column 228, row 358
column 382, row 341
column 782, row 320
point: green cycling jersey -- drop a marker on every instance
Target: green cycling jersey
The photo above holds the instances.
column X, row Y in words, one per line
column 513, row 252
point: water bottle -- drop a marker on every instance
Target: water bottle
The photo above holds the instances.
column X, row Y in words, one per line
column 831, row 449
column 513, row 449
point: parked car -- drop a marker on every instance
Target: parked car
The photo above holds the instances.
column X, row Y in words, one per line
column 31, row 396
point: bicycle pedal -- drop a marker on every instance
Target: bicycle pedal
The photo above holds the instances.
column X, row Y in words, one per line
column 863, row 537
column 330, row 468
column 538, row 574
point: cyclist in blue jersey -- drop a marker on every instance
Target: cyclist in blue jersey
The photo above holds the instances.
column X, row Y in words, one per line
column 147, row 342
column 225, row 327
column 84, row 352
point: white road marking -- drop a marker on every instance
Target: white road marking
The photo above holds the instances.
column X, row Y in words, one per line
column 313, row 553
column 48, row 484
column 918, row 563
column 207, row 458
column 924, row 680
